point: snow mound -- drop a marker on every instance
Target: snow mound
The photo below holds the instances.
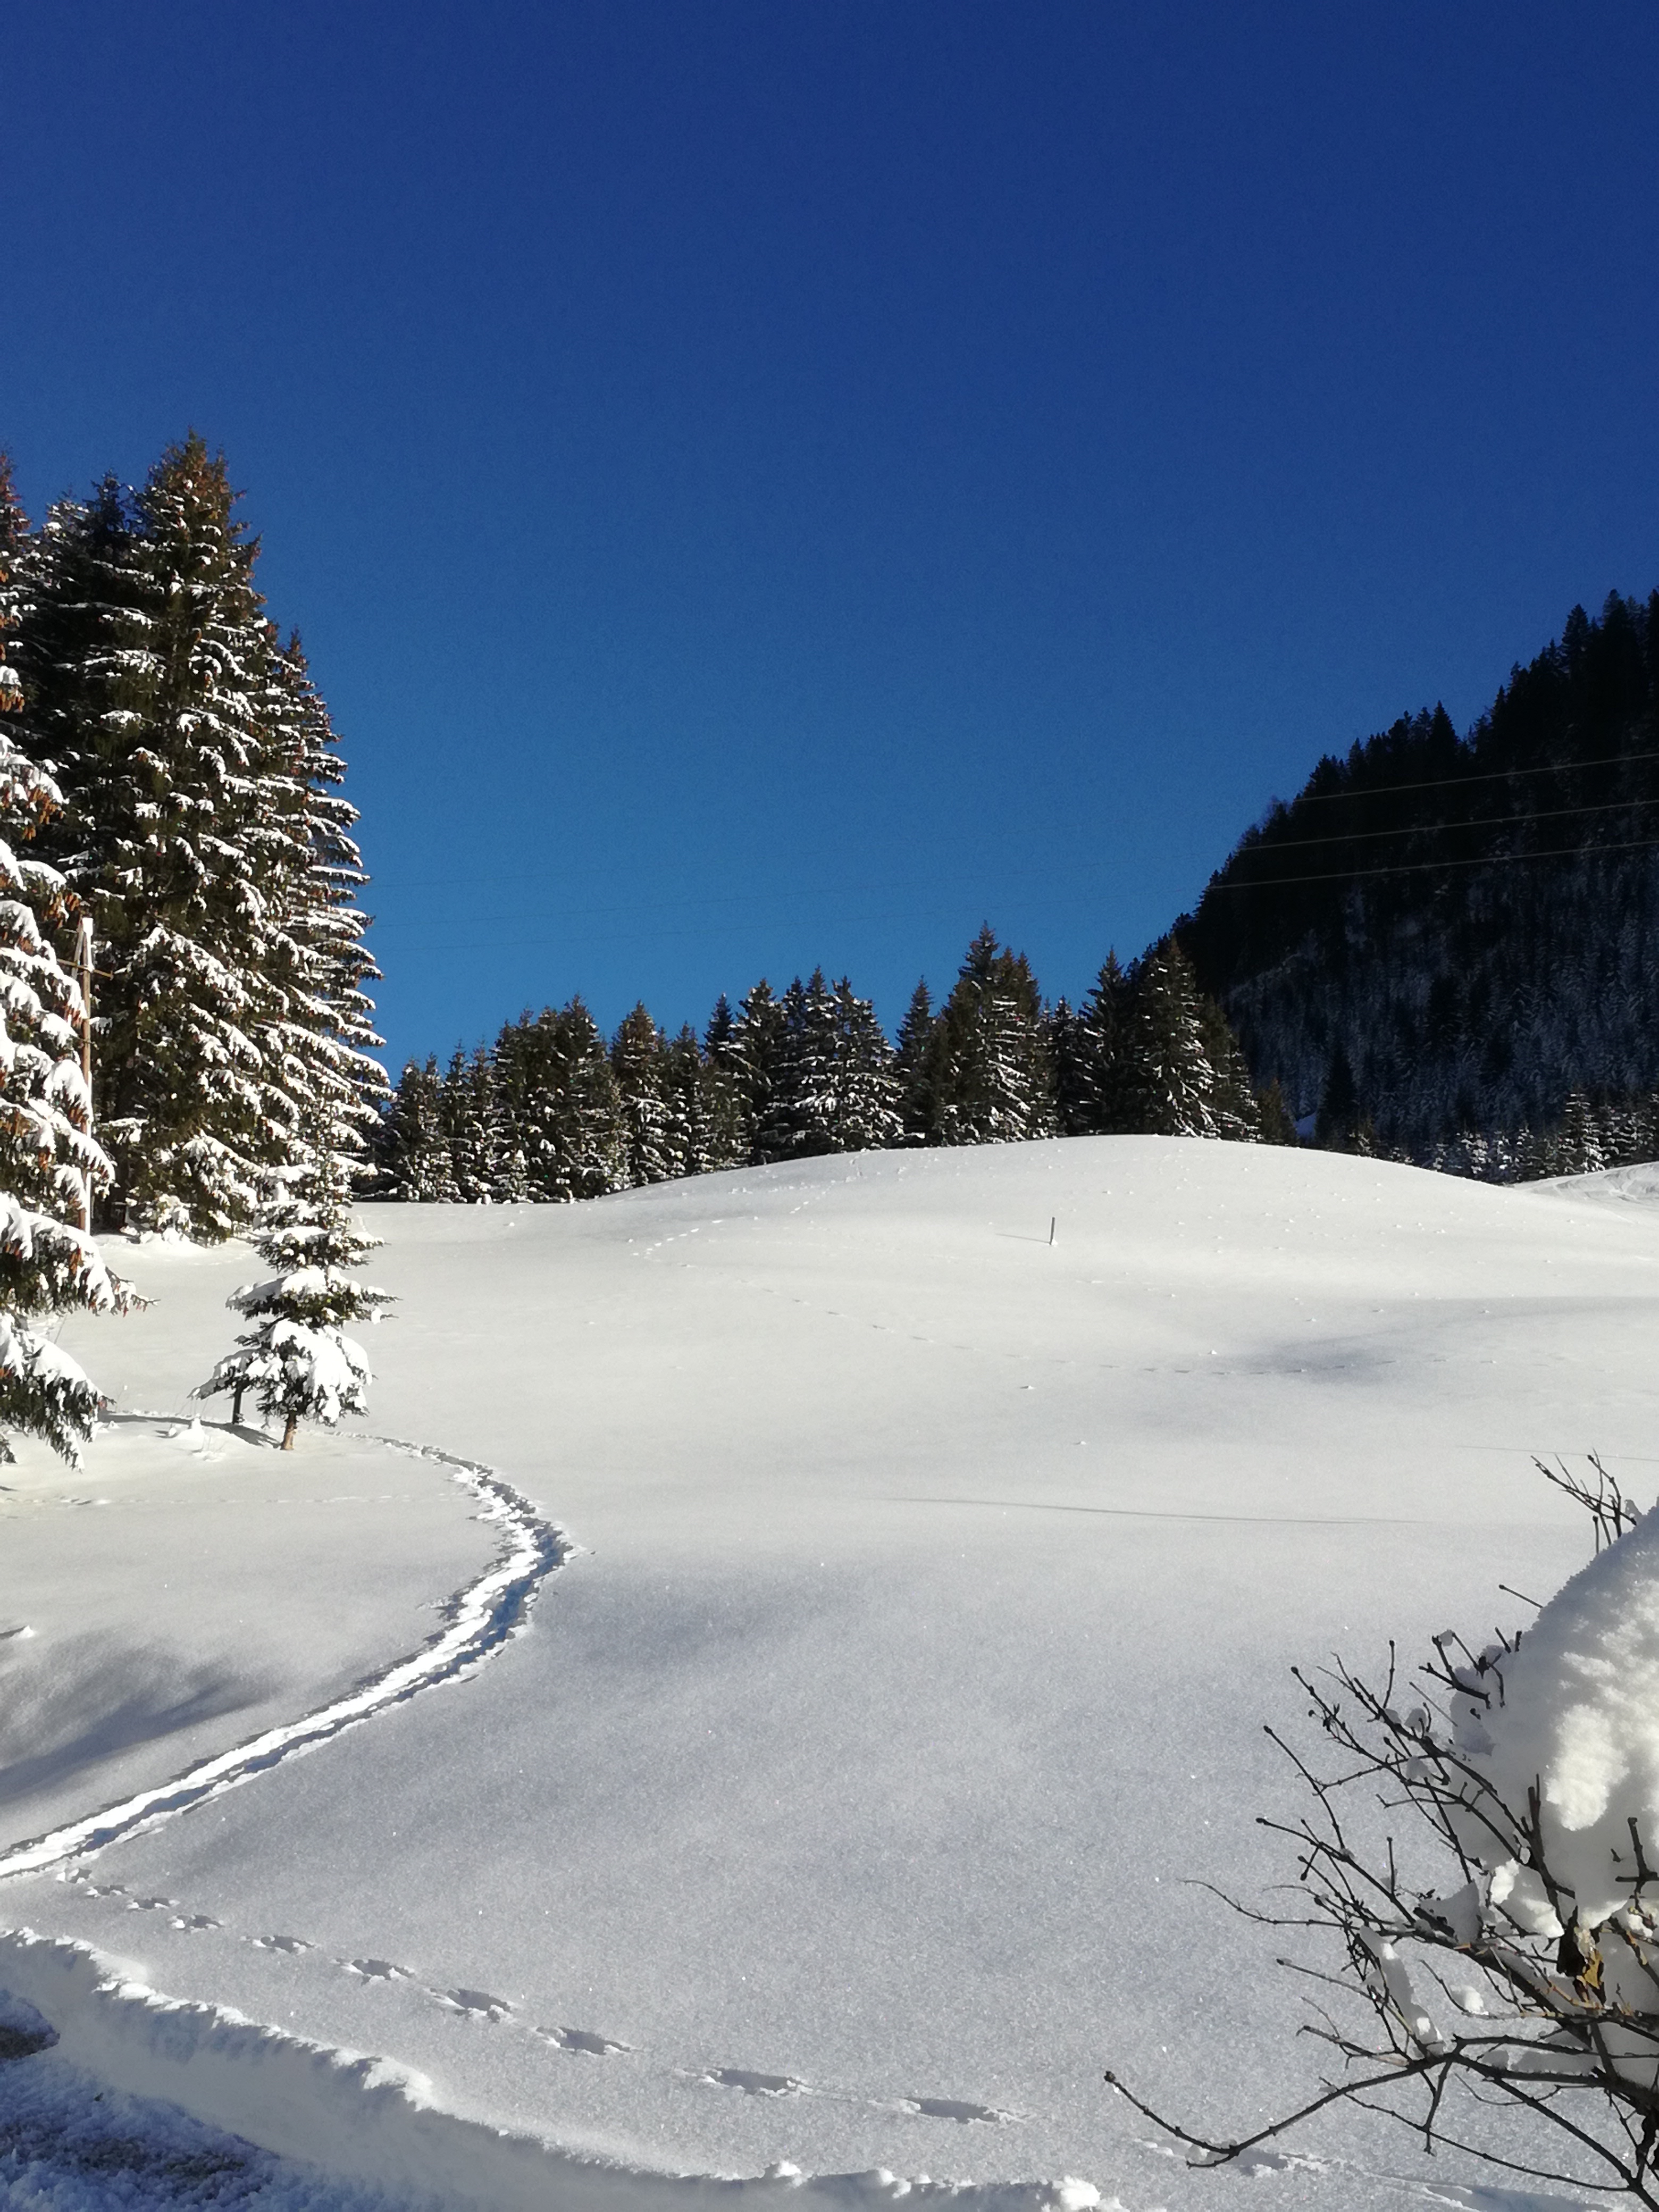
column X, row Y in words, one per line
column 1630, row 1185
column 1575, row 1717
column 372, row 2122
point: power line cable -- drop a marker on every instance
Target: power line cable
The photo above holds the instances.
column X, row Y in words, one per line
column 1430, row 829
column 1421, row 867
column 1455, row 782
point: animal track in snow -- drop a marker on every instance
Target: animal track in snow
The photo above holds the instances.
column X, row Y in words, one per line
column 581, row 2040
column 574, row 2042
column 479, row 1620
column 755, row 2085
column 950, row 2108
column 478, row 2002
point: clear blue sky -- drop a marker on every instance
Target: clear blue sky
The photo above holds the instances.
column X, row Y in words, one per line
column 780, row 484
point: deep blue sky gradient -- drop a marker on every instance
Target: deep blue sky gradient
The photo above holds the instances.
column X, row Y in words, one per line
column 770, row 484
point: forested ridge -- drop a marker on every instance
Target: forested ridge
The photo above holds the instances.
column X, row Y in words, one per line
column 550, row 1112
column 1442, row 939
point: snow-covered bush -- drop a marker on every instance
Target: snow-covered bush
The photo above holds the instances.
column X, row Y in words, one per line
column 1529, row 1974
column 297, row 1357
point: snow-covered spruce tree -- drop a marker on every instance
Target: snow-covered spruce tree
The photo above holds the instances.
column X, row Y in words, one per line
column 705, row 1106
column 719, row 1127
column 204, row 830
column 751, row 1052
column 466, row 1112
column 1277, row 1122
column 1167, row 1080
column 322, row 1082
column 1234, row 1106
column 146, row 664
column 867, row 1115
column 655, row 1142
column 14, row 537
column 525, row 1060
column 48, row 1158
column 555, row 1108
column 1579, row 1148
column 992, row 1084
column 916, row 1066
column 1523, row 1986
column 296, row 1357
column 678, row 1070
column 411, row 1149
column 717, row 1038
column 834, row 1086
column 592, row 1128
column 1090, row 1058
column 799, row 1115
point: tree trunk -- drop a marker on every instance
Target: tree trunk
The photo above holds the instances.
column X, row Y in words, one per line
column 236, row 1406
column 288, row 1433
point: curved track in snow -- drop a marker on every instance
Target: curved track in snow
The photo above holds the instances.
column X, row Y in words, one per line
column 480, row 1618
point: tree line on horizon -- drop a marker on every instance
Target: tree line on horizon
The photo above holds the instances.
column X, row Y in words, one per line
column 1442, row 952
column 551, row 1112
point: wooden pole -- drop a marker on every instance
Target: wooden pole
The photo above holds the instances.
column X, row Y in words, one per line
column 84, row 960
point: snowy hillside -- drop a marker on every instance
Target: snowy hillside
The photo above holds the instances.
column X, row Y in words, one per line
column 833, row 1808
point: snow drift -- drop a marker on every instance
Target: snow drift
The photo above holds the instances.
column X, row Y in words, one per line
column 368, row 2120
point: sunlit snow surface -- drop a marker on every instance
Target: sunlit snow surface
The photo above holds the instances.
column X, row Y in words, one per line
column 836, row 1805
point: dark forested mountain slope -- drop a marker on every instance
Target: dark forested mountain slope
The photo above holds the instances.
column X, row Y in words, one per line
column 1443, row 932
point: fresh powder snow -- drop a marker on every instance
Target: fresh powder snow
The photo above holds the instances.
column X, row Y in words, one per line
column 824, row 1818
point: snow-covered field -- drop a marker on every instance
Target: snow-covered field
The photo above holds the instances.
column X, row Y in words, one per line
column 835, row 1807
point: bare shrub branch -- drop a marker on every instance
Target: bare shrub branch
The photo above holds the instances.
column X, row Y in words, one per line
column 1492, row 1989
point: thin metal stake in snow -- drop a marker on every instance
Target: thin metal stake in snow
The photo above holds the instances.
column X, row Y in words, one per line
column 1053, row 1218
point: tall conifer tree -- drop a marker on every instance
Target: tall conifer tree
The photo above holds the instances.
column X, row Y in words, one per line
column 1098, row 1102
column 867, row 1115
column 203, row 831
column 470, row 1126
column 412, row 1145
column 754, row 1047
column 152, row 658
column 654, row 1137
column 324, row 1086
column 1169, row 1083
column 593, row 1126
column 917, row 1070
column 995, row 1085
column 49, row 1161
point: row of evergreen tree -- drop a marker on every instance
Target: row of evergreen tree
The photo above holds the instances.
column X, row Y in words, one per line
column 1593, row 1133
column 197, row 818
column 550, row 1112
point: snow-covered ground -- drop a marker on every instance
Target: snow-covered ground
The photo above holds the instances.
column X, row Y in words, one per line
column 834, row 1808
